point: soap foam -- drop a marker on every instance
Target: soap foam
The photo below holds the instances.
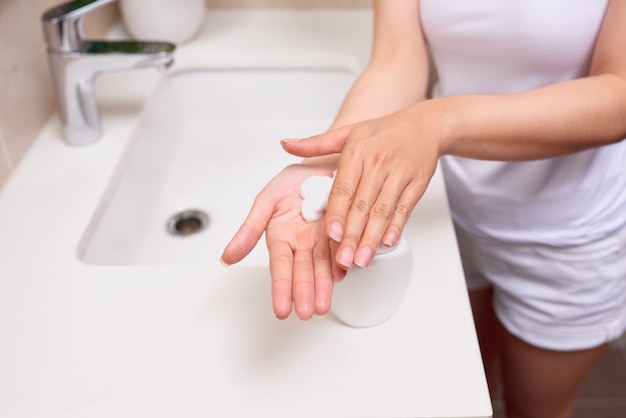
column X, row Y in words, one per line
column 314, row 192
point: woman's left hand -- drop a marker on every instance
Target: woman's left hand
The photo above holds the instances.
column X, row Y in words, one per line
column 301, row 254
column 384, row 169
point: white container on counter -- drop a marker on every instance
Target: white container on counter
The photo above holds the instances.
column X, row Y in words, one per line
column 175, row 21
column 370, row 296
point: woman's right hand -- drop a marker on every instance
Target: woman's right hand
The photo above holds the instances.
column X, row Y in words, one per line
column 384, row 168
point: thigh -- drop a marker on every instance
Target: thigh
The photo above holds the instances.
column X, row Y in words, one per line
column 541, row 383
column 486, row 325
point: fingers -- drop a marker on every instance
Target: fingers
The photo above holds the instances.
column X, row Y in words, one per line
column 383, row 224
column 329, row 143
column 303, row 287
column 338, row 272
column 302, row 278
column 312, row 284
column 350, row 198
column 412, row 194
column 249, row 233
column 324, row 278
column 386, row 225
column 281, row 269
column 373, row 227
column 368, row 205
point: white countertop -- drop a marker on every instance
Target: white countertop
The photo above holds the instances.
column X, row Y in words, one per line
column 84, row 340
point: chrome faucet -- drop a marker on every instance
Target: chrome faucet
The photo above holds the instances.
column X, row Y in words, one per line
column 75, row 62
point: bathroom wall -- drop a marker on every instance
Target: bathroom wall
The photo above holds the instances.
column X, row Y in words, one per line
column 26, row 96
column 26, row 100
column 288, row 3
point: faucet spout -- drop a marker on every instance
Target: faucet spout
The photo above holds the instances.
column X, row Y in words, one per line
column 75, row 62
column 126, row 55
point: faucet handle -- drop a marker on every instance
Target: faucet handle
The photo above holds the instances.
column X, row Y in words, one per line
column 63, row 27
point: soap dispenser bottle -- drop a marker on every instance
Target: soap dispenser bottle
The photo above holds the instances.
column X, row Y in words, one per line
column 370, row 296
column 176, row 21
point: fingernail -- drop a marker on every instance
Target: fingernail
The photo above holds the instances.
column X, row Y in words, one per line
column 345, row 257
column 338, row 273
column 390, row 239
column 224, row 263
column 336, row 232
column 363, row 257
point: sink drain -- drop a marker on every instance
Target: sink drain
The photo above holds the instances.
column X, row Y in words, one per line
column 187, row 222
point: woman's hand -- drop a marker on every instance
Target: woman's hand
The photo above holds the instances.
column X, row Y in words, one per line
column 301, row 255
column 384, row 169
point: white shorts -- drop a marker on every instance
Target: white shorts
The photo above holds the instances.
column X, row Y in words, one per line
column 555, row 298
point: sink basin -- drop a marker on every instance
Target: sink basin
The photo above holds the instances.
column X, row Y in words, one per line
column 207, row 142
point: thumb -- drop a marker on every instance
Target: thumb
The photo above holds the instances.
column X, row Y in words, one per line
column 315, row 146
column 249, row 232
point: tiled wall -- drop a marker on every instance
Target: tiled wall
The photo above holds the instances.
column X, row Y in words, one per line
column 26, row 97
column 289, row 3
column 26, row 100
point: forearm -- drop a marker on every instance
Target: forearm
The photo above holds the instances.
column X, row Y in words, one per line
column 377, row 92
column 381, row 90
column 553, row 120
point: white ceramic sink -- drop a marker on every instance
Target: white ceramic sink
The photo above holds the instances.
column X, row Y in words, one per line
column 207, row 141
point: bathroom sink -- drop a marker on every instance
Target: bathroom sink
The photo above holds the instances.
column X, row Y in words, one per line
column 206, row 143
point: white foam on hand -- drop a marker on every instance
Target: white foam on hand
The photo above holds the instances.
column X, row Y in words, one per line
column 314, row 192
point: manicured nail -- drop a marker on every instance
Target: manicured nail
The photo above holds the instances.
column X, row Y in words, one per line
column 336, row 232
column 224, row 263
column 363, row 257
column 390, row 239
column 345, row 257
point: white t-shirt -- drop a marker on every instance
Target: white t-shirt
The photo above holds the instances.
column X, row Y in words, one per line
column 505, row 46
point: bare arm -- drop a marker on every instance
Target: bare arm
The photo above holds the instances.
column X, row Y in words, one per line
column 552, row 120
column 396, row 76
column 386, row 163
column 301, row 255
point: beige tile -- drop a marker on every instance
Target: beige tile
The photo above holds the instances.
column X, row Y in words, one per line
column 289, row 3
column 4, row 173
column 5, row 161
column 27, row 94
column 98, row 23
column 27, row 98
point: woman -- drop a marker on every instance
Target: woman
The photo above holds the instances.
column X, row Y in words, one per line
column 527, row 121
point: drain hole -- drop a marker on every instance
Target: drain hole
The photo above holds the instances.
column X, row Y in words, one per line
column 188, row 222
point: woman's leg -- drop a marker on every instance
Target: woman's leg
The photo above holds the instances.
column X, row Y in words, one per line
column 537, row 383
column 542, row 383
column 487, row 327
